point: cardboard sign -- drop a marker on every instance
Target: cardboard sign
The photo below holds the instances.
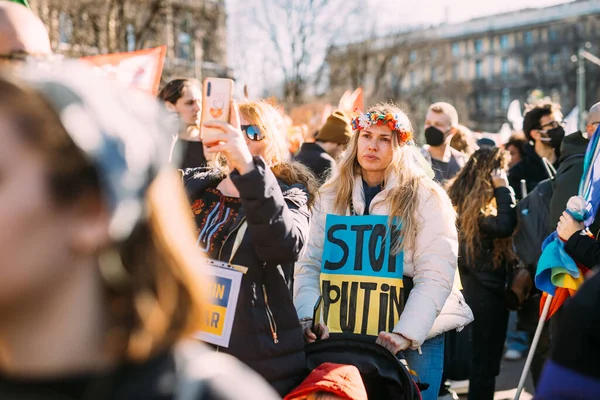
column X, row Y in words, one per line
column 361, row 280
column 141, row 69
column 219, row 314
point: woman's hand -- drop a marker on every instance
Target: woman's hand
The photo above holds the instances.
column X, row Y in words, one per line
column 228, row 140
column 321, row 331
column 394, row 342
column 567, row 226
column 499, row 178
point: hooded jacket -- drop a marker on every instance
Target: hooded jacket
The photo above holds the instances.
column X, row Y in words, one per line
column 266, row 334
column 435, row 304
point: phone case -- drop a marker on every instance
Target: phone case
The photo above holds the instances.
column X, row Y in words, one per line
column 216, row 100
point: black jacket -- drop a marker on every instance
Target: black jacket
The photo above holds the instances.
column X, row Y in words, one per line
column 316, row 159
column 583, row 249
column 531, row 168
column 568, row 174
column 491, row 227
column 278, row 221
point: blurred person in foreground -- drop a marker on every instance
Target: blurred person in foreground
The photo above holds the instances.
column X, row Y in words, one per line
column 572, row 371
column 183, row 97
column 441, row 123
column 544, row 130
column 486, row 221
column 22, row 34
column 96, row 296
column 256, row 197
column 320, row 157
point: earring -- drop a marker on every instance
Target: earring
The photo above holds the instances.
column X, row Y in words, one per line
column 112, row 269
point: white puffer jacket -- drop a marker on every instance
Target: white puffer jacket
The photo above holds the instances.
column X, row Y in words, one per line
column 435, row 304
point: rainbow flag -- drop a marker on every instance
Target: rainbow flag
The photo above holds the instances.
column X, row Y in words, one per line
column 557, row 273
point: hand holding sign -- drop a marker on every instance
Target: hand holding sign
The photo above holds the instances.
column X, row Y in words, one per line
column 312, row 333
column 394, row 342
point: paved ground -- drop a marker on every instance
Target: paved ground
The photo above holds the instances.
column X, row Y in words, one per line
column 507, row 382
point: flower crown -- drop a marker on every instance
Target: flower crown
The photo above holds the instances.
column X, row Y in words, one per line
column 363, row 121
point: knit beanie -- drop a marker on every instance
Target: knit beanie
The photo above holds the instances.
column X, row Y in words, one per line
column 337, row 129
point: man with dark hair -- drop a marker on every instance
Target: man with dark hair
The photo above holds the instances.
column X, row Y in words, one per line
column 543, row 128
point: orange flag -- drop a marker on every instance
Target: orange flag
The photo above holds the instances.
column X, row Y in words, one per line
column 141, row 69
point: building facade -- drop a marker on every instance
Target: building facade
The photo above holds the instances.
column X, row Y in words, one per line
column 193, row 30
column 480, row 65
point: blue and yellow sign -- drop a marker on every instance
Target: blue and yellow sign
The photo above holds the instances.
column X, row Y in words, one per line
column 219, row 313
column 361, row 280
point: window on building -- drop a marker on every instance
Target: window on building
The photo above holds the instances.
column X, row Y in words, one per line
column 528, row 37
column 412, row 56
column 455, row 73
column 185, row 43
column 478, row 46
column 455, row 49
column 478, row 69
column 552, row 35
column 130, row 37
column 554, row 60
column 433, row 75
column 505, row 99
column 505, row 67
column 491, row 40
column 434, row 53
column 528, row 63
column 413, row 79
column 65, row 28
column 491, row 67
column 479, row 102
column 504, row 42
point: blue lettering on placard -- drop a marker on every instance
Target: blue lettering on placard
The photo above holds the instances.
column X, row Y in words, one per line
column 219, row 291
column 360, row 245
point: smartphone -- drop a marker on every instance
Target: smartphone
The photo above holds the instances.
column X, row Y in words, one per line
column 216, row 101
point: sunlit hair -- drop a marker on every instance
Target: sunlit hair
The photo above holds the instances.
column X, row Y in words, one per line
column 159, row 302
column 276, row 154
column 472, row 193
column 409, row 175
column 446, row 109
column 463, row 140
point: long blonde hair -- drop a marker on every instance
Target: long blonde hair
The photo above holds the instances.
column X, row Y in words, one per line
column 410, row 177
column 277, row 155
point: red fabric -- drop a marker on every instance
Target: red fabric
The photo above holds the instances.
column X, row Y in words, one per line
column 342, row 380
column 560, row 295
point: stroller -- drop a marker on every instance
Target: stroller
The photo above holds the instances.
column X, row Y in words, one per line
column 384, row 375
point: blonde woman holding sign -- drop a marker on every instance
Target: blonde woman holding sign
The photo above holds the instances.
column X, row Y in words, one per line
column 382, row 231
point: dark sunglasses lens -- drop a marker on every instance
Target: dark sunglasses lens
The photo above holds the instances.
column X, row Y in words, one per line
column 253, row 133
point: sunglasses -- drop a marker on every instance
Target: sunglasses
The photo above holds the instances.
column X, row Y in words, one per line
column 253, row 133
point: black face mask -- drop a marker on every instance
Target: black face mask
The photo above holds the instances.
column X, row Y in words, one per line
column 433, row 136
column 554, row 137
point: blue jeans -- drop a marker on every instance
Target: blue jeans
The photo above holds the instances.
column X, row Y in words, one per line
column 429, row 365
column 516, row 340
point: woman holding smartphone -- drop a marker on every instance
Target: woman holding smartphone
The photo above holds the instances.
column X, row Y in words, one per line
column 252, row 209
column 383, row 231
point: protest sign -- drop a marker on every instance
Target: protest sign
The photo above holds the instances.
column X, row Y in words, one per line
column 219, row 312
column 141, row 69
column 361, row 280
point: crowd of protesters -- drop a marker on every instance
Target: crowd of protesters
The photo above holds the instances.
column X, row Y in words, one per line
column 113, row 203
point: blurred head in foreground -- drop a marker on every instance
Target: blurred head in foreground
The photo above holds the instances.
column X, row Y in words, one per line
column 95, row 234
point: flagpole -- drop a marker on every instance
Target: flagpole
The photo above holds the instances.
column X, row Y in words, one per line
column 534, row 344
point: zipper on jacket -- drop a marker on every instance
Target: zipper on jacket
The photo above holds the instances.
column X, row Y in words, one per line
column 270, row 317
column 229, row 235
